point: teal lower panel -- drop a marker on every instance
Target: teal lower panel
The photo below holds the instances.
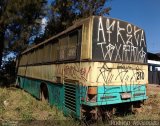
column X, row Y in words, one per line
column 56, row 94
column 121, row 88
column 107, row 95
column 30, row 85
column 72, row 104
column 55, row 91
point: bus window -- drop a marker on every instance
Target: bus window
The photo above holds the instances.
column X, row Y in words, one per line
column 46, row 53
column 53, row 53
column 63, row 48
column 34, row 57
column 49, row 47
column 72, row 45
column 40, row 54
column 21, row 61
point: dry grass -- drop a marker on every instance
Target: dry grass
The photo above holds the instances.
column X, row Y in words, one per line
column 151, row 108
column 16, row 104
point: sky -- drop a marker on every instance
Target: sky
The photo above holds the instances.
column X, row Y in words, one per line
column 142, row 13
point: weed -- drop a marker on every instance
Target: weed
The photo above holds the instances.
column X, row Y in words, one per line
column 26, row 115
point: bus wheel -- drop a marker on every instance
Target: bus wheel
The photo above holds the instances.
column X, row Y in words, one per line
column 108, row 113
column 136, row 107
column 44, row 93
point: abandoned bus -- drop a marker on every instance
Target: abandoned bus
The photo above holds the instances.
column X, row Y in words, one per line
column 88, row 69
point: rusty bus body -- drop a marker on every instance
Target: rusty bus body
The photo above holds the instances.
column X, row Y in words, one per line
column 93, row 66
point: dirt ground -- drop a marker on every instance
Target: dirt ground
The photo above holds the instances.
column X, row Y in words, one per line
column 153, row 101
column 150, row 110
column 153, row 89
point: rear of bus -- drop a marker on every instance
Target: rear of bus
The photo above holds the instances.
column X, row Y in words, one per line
column 119, row 70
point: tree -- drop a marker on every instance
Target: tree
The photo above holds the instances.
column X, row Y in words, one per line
column 65, row 12
column 19, row 20
column 3, row 4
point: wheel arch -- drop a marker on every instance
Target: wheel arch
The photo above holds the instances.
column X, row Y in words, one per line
column 44, row 92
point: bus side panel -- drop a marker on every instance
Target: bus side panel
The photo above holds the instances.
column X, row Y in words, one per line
column 72, row 100
column 56, row 95
column 30, row 85
column 60, row 95
column 66, row 97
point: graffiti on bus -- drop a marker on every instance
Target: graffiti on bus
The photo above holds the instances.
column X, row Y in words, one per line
column 124, row 73
column 74, row 72
column 119, row 41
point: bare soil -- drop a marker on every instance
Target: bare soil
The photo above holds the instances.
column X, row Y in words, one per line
column 153, row 89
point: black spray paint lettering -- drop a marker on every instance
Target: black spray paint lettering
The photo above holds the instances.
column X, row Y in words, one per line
column 124, row 73
column 105, row 73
